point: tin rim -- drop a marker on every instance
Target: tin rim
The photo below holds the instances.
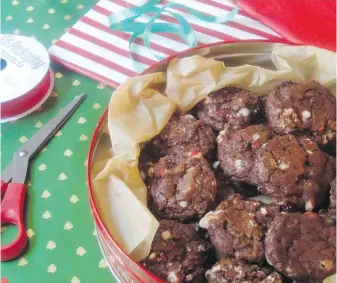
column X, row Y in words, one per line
column 98, row 221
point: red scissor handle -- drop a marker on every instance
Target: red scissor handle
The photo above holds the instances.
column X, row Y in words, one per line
column 3, row 187
column 12, row 207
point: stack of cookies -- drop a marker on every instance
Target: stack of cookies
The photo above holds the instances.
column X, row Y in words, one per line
column 207, row 169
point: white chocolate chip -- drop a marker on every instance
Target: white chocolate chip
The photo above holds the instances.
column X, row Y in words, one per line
column 239, row 164
column 256, row 136
column 183, row 203
column 305, row 115
column 201, row 248
column 215, row 268
column 173, row 277
column 309, row 206
column 309, row 152
column 283, row 166
column 166, row 235
column 216, row 164
column 244, row 112
column 152, row 255
column 223, row 132
column 204, row 222
column 263, row 210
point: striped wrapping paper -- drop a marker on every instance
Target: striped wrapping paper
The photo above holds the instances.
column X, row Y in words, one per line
column 91, row 48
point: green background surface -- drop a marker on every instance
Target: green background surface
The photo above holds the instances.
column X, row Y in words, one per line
column 62, row 243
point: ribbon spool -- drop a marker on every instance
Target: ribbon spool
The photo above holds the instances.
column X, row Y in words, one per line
column 26, row 81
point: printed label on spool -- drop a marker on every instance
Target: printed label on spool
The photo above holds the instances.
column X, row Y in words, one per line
column 24, row 64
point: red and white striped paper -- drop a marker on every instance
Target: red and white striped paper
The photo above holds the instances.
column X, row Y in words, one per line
column 91, row 48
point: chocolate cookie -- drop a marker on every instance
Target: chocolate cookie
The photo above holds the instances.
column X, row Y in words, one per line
column 307, row 106
column 229, row 105
column 236, row 228
column 232, row 271
column 184, row 135
column 302, row 246
column 178, row 253
column 237, row 150
column 182, row 189
column 293, row 170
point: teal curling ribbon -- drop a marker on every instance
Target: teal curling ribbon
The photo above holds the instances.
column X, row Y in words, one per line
column 125, row 21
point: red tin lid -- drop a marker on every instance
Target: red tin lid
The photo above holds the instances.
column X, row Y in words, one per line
column 309, row 22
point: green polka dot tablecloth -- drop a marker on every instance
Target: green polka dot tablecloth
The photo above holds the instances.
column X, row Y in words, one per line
column 62, row 238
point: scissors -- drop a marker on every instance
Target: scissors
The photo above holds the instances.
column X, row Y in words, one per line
column 13, row 188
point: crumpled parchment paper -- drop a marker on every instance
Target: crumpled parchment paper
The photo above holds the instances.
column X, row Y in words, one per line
column 140, row 108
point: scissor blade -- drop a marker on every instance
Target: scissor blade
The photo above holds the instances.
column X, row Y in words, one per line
column 48, row 130
column 7, row 174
